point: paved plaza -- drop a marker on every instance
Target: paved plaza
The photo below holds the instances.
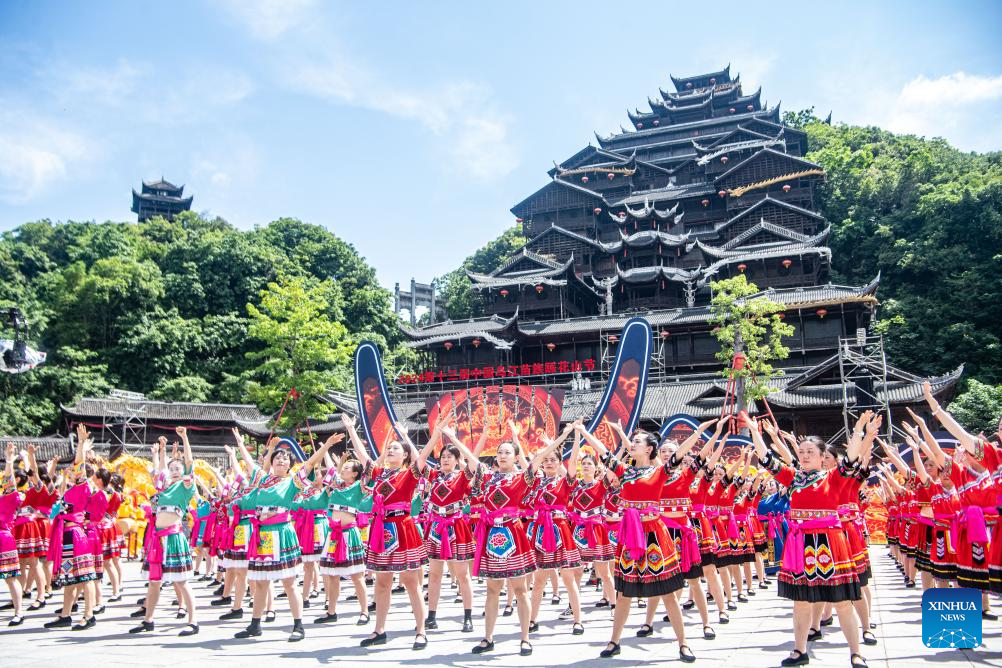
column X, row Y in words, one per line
column 758, row 635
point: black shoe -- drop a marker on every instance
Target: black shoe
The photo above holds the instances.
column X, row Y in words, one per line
column 298, row 633
column 252, row 631
column 724, row 618
column 857, row 661
column 225, row 600
column 75, row 608
column 59, row 623
column 16, row 620
column 363, row 619
column 467, row 626
column 399, row 589
column 218, row 591
column 326, row 619
column 372, row 606
column 555, row 600
column 113, row 599
column 141, row 612
column 525, row 648
column 909, row 584
column 141, row 602
column 6, row 606
column 36, row 605
column 611, row 650
column 232, row 614
column 420, row 642
column 306, row 603
column 282, row 595
column 602, row 603
column 869, row 638
column 829, row 621
column 742, row 598
column 269, row 616
column 189, row 630
column 763, row 585
column 508, row 610
column 144, row 627
column 801, row 659
column 533, row 627
column 709, row 633
column 688, row 605
column 642, row 603
column 815, row 634
column 431, row 624
column 732, row 606
column 181, row 613
column 577, row 629
column 989, row 615
column 645, row 630
column 484, row 645
column 374, row 639
column 685, row 654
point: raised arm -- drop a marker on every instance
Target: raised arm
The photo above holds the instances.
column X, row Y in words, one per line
column 939, row 456
column 923, row 475
column 356, row 442
column 319, row 453
column 189, row 461
column 892, row 454
column 519, row 452
column 429, row 447
column 32, row 465
column 8, row 473
column 82, row 437
column 967, row 441
column 697, row 433
column 593, row 441
column 777, row 442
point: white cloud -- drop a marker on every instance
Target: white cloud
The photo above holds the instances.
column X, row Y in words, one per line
column 110, row 86
column 269, row 19
column 34, row 155
column 957, row 106
column 753, row 68
column 955, row 89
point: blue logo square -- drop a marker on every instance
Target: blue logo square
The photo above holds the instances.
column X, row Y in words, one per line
column 951, row 618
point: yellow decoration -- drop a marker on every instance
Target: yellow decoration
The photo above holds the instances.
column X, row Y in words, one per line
column 741, row 190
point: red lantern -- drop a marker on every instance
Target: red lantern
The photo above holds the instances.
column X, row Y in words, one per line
column 551, row 346
column 448, row 345
column 656, row 122
column 665, row 333
column 724, row 160
column 584, row 179
column 787, row 263
column 781, row 316
column 742, row 267
column 597, row 210
column 705, row 202
column 739, row 361
column 722, row 193
column 640, row 126
column 613, row 338
column 518, row 220
column 750, row 108
column 611, row 176
column 504, row 292
column 732, row 110
column 476, row 342
column 786, row 188
column 822, row 312
column 539, row 289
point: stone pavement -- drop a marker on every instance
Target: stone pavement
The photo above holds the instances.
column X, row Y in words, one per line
column 759, row 635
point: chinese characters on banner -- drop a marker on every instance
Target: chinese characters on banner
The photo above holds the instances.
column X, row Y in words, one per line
column 499, row 371
column 535, row 410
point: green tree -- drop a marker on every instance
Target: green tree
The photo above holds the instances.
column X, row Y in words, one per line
column 460, row 299
column 752, row 325
column 979, row 407
column 183, row 388
column 303, row 346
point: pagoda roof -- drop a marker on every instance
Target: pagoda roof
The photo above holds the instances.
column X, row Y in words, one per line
column 646, row 238
column 708, row 155
column 546, row 275
column 505, row 328
column 764, row 254
column 178, row 411
column 522, row 208
column 722, row 76
column 556, row 229
column 589, row 152
column 796, row 241
column 161, row 184
column 153, row 197
column 723, row 139
column 605, row 142
column 544, row 263
column 763, row 202
column 670, row 192
column 766, row 151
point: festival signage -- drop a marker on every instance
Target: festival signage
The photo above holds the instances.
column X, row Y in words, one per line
column 375, row 410
column 624, row 395
column 535, row 410
column 501, row 371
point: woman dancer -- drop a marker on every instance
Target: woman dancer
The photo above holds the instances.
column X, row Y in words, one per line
column 504, row 553
column 31, row 530
column 591, row 532
column 112, row 539
column 312, row 526
column 235, row 537
column 344, row 553
column 816, row 533
column 168, row 557
column 550, row 534
column 273, row 550
column 449, row 537
column 647, row 563
column 70, row 552
column 10, row 501
column 395, row 543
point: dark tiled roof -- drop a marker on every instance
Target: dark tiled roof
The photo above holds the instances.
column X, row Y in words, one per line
column 167, row 410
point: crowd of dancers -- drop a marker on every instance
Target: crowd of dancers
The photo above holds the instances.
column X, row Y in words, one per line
column 668, row 524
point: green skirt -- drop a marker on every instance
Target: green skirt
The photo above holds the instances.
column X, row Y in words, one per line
column 278, row 554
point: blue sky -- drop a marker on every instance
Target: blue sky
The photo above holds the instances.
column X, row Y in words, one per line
column 409, row 129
